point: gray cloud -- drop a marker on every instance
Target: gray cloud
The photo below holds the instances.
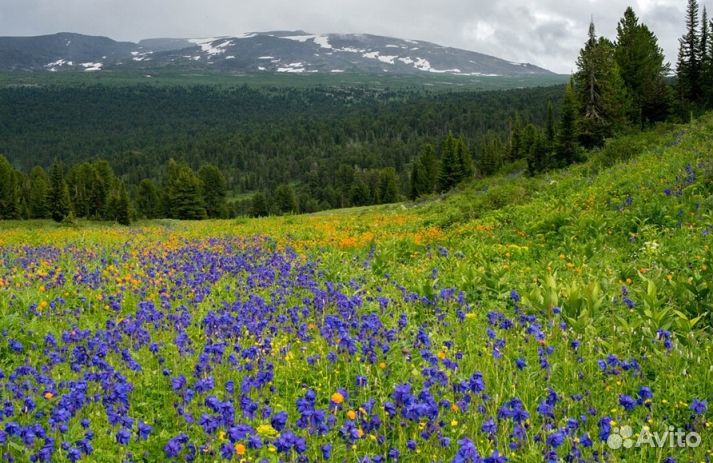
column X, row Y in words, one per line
column 548, row 32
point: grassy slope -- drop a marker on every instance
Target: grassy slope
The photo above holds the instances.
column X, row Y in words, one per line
column 572, row 239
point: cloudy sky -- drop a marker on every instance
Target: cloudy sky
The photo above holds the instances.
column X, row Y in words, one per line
column 548, row 33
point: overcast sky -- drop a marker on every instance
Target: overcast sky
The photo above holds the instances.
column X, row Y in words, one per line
column 548, row 33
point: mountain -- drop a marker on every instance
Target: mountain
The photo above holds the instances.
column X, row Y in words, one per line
column 275, row 51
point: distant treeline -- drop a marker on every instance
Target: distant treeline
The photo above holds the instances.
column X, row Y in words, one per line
column 327, row 146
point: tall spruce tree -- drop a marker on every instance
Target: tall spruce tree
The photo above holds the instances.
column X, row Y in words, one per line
column 148, row 201
column 491, row 153
column 550, row 130
column 118, row 207
column 9, row 198
column 214, row 190
column 513, row 153
column 39, row 188
column 465, row 160
column 388, row 186
column 285, row 199
column 424, row 172
column 259, row 205
column 183, row 192
column 689, row 60
column 450, row 172
column 643, row 69
column 603, row 102
column 58, row 197
column 707, row 60
column 567, row 146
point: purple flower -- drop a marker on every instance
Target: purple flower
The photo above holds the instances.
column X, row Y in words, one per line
column 699, row 407
column 123, row 436
column 627, row 402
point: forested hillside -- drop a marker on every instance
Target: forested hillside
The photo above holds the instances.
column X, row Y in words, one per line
column 259, row 138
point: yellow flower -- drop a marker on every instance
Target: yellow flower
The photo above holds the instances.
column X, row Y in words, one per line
column 337, row 398
column 266, row 430
column 240, row 449
column 351, row 414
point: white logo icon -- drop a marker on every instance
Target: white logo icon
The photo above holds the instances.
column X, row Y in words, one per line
column 621, row 437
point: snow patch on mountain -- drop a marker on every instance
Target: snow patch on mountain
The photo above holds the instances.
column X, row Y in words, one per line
column 91, row 67
column 210, row 47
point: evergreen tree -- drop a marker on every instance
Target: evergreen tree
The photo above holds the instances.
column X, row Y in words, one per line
column 118, row 207
column 39, row 188
column 148, row 201
column 465, row 161
column 9, row 198
column 451, row 168
column 490, row 157
column 388, row 186
column 567, row 147
column 359, row 193
column 101, row 182
column 22, row 187
column 285, row 200
column 689, row 64
column 643, row 69
column 424, row 173
column 58, row 197
column 707, row 60
column 513, row 153
column 79, row 178
column 550, row 131
column 600, row 91
column 183, row 192
column 214, row 190
column 416, row 179
column 259, row 206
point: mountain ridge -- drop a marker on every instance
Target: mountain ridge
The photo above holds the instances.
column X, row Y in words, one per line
column 254, row 52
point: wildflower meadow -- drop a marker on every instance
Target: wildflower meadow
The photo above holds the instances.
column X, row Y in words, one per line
column 562, row 317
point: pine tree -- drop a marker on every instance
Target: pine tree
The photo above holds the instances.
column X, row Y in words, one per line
column 285, row 200
column 513, row 153
column 451, row 169
column 539, row 154
column 567, row 147
column 101, row 181
column 58, row 197
column 214, row 190
column 22, row 188
column 491, row 154
column 359, row 193
column 9, row 199
column 465, row 161
column 259, row 206
column 388, row 186
column 39, row 188
column 689, row 65
column 118, row 206
column 424, row 173
column 550, row 131
column 707, row 60
column 183, row 192
column 148, row 200
column 600, row 90
column 643, row 69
